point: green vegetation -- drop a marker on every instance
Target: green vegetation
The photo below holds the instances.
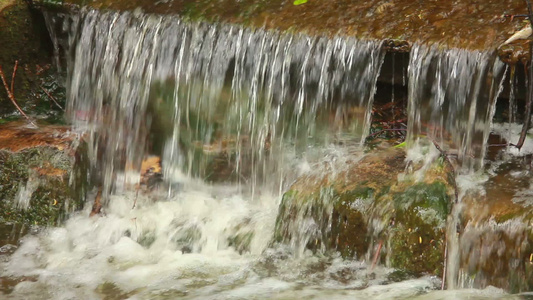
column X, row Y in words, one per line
column 356, row 213
column 52, row 197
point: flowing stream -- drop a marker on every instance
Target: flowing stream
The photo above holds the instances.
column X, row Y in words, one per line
column 236, row 115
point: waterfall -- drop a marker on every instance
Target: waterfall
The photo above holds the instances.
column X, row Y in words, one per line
column 251, row 96
column 452, row 98
column 238, row 116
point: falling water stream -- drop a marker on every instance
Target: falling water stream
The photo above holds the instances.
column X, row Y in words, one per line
column 258, row 107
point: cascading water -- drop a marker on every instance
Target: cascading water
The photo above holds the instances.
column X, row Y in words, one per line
column 140, row 84
column 452, row 97
column 245, row 111
column 252, row 95
column 452, row 100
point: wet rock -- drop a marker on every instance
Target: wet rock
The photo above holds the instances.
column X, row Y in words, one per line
column 517, row 52
column 416, row 235
column 373, row 209
column 109, row 290
column 151, row 172
column 496, row 238
column 454, row 24
column 43, row 174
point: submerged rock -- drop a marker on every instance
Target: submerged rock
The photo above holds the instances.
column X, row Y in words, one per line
column 374, row 209
column 43, row 174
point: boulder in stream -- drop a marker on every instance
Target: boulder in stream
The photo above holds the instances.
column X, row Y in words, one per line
column 378, row 207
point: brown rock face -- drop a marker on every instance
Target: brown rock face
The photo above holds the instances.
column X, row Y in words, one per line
column 471, row 24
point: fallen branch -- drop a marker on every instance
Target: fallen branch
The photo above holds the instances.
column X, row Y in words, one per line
column 499, row 145
column 13, row 77
column 97, row 205
column 10, row 94
column 516, row 16
column 51, row 98
column 527, row 118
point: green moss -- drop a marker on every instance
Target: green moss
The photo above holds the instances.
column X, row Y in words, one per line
column 51, row 196
column 343, row 227
column 422, row 196
column 110, row 291
column 400, row 275
column 241, row 241
column 417, row 239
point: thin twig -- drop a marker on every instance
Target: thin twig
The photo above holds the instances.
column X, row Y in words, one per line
column 13, row 77
column 375, row 260
column 12, row 97
column 516, row 16
column 446, row 157
column 51, row 97
column 383, row 130
column 500, row 145
column 136, row 196
column 527, row 118
column 444, row 269
column 97, row 205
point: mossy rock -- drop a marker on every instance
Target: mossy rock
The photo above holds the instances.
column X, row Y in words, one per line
column 325, row 221
column 368, row 205
column 241, row 241
column 417, row 236
column 498, row 254
column 330, row 213
column 40, row 183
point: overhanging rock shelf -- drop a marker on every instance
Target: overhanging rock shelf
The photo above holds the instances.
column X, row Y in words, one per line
column 472, row 25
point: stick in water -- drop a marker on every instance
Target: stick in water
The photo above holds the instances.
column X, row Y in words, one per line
column 51, row 97
column 376, row 255
column 445, row 268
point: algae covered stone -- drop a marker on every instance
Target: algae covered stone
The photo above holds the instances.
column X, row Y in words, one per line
column 417, row 236
column 43, row 174
column 367, row 212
